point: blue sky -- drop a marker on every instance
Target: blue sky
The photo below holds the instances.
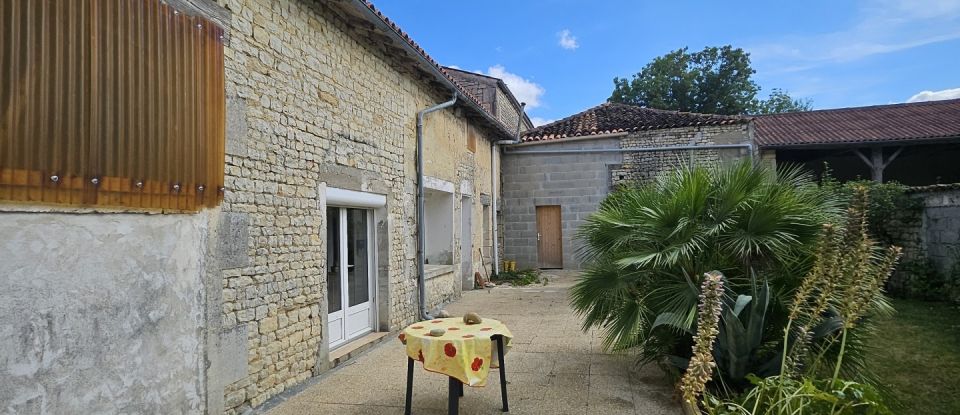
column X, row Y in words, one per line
column 561, row 55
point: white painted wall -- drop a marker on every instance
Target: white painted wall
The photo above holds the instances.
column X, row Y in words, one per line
column 438, row 218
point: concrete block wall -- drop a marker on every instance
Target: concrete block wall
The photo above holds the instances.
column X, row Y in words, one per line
column 576, row 182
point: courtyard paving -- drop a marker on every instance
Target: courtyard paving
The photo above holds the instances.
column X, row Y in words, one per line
column 552, row 368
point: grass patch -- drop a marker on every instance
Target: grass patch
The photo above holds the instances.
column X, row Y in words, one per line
column 520, row 278
column 917, row 356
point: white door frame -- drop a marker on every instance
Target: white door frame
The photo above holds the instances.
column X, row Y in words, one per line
column 342, row 200
column 353, row 324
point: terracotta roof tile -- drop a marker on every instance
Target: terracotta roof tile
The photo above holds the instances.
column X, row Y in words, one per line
column 479, row 86
column 464, row 91
column 874, row 124
column 610, row 118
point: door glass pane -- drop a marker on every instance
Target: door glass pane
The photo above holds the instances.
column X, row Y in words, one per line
column 358, row 276
column 333, row 260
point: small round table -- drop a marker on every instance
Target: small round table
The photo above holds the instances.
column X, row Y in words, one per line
column 465, row 353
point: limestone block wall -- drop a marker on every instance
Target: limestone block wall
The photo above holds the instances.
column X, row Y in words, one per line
column 237, row 293
column 932, row 234
column 313, row 106
column 644, row 166
column 941, row 226
column 506, row 112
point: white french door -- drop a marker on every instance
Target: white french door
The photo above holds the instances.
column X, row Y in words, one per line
column 350, row 272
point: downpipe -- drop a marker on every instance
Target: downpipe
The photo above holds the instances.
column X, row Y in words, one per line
column 493, row 186
column 421, row 255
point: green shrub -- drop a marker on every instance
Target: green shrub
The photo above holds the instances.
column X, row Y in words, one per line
column 953, row 278
column 842, row 289
column 520, row 278
column 921, row 281
column 890, row 208
column 776, row 396
column 648, row 245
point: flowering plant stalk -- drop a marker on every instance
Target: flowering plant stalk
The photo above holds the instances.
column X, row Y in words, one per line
column 700, row 369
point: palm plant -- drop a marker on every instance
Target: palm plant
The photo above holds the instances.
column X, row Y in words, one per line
column 648, row 246
column 843, row 287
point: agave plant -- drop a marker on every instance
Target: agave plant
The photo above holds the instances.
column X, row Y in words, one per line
column 648, row 246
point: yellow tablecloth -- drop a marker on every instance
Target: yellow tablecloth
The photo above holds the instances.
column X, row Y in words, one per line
column 465, row 352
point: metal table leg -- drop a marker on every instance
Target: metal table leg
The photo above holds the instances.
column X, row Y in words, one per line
column 406, row 409
column 503, row 374
column 453, row 406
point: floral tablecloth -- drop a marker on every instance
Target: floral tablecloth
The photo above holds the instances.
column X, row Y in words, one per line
column 464, row 351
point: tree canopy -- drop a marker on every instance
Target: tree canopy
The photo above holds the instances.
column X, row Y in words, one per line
column 715, row 80
column 780, row 101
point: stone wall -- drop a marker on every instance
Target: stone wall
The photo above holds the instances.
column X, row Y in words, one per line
column 941, row 226
column 506, row 112
column 930, row 235
column 643, row 166
column 101, row 313
column 314, row 106
column 96, row 302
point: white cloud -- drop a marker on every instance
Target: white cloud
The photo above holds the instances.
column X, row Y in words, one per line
column 880, row 27
column 923, row 96
column 453, row 66
column 538, row 121
column 524, row 89
column 567, row 40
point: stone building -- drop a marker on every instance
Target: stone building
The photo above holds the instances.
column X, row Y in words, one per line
column 113, row 303
column 557, row 176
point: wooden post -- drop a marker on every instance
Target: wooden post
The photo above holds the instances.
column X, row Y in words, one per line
column 876, row 163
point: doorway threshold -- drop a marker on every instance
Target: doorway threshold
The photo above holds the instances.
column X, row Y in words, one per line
column 355, row 347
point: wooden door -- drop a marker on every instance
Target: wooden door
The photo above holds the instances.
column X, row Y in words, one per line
column 549, row 237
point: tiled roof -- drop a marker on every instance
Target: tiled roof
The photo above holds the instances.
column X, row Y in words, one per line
column 874, row 124
column 463, row 90
column 611, row 118
column 484, row 88
column 481, row 87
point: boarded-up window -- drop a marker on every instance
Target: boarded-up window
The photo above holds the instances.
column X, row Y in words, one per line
column 472, row 142
column 110, row 103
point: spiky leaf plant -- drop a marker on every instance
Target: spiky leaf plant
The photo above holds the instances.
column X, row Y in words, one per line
column 648, row 245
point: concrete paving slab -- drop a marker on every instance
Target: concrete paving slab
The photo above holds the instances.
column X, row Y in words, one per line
column 552, row 368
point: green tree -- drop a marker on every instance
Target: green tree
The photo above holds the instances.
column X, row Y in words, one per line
column 780, row 102
column 715, row 80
